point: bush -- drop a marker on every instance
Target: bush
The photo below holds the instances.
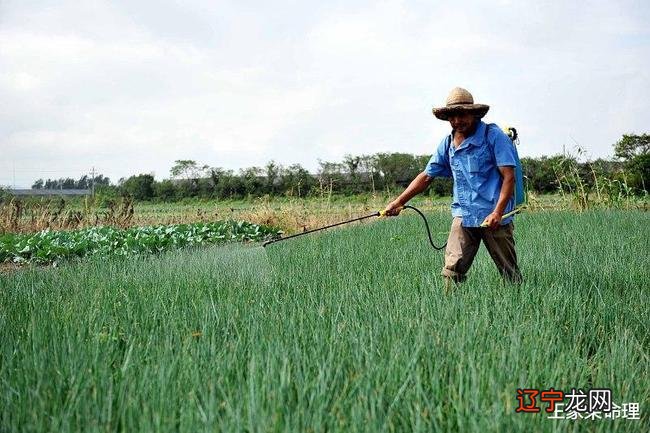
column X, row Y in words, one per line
column 165, row 190
column 139, row 187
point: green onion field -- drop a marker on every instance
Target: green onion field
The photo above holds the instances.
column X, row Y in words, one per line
column 347, row 330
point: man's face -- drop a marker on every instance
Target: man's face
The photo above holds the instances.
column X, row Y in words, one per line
column 462, row 122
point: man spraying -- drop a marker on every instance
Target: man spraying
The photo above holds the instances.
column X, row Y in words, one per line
column 481, row 159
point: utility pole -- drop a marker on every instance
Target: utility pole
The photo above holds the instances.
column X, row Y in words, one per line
column 92, row 188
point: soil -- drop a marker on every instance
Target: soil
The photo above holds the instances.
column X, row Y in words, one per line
column 8, row 267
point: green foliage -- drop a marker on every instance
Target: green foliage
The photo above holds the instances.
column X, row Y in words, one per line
column 297, row 181
column 165, row 190
column 632, row 145
column 639, row 169
column 48, row 246
column 634, row 150
column 540, row 173
column 5, row 195
column 571, row 179
column 84, row 182
column 187, row 169
column 596, row 184
column 398, row 168
column 388, row 173
column 252, row 181
column 441, row 187
column 139, row 187
column 105, row 194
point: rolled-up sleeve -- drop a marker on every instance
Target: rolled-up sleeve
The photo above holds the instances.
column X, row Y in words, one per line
column 438, row 165
column 504, row 149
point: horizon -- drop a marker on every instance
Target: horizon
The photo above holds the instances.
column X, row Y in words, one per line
column 237, row 171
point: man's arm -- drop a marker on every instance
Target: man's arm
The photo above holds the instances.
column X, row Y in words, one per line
column 417, row 185
column 507, row 190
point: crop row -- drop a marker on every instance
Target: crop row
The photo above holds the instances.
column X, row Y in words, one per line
column 48, row 246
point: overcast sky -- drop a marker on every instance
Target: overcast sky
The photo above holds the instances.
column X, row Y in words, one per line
column 129, row 86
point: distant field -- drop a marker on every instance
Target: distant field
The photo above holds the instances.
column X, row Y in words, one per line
column 289, row 214
column 293, row 214
column 286, row 213
column 347, row 330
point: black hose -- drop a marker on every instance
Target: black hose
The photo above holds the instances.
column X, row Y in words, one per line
column 376, row 214
column 426, row 224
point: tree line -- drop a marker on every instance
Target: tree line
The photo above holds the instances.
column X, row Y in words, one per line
column 84, row 182
column 378, row 173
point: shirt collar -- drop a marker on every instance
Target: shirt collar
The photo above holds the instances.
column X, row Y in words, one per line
column 476, row 138
column 479, row 133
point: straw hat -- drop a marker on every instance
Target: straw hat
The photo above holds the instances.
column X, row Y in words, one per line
column 460, row 99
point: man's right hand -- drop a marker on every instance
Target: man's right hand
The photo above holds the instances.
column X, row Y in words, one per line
column 393, row 208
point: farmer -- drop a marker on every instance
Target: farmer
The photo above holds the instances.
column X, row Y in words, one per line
column 481, row 160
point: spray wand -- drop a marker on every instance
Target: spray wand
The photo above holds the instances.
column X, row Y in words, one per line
column 379, row 214
column 372, row 215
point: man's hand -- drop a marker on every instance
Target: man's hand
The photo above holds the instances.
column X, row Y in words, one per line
column 493, row 220
column 393, row 208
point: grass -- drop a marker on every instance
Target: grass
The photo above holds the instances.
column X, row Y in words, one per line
column 342, row 331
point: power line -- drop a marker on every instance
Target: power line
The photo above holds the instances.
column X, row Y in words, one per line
column 93, row 181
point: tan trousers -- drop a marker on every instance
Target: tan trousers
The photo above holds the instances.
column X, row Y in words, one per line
column 463, row 244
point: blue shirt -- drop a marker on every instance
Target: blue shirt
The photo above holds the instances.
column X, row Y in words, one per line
column 474, row 167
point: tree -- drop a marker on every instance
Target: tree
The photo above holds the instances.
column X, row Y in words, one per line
column 218, row 176
column 541, row 174
column 164, row 190
column 298, row 181
column 368, row 165
column 352, row 164
column 225, row 183
column 68, row 183
column 84, row 182
column 397, row 168
column 140, row 187
column 330, row 175
column 632, row 145
column 101, row 180
column 251, row 178
column 189, row 172
column 187, row 169
column 634, row 150
column 639, row 169
column 273, row 179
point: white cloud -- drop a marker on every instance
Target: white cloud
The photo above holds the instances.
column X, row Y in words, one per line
column 132, row 86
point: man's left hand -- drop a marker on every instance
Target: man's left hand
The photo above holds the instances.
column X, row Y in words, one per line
column 493, row 220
